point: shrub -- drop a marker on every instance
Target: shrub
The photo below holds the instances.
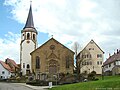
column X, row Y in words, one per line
column 91, row 76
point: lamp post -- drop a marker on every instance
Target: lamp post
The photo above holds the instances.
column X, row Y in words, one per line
column 102, row 73
column 93, row 68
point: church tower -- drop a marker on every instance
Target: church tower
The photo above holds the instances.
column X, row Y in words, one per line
column 28, row 43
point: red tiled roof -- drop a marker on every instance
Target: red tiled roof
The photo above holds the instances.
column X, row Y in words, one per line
column 112, row 58
column 6, row 66
column 13, row 62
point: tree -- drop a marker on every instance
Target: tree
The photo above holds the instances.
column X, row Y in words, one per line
column 80, row 59
column 76, row 48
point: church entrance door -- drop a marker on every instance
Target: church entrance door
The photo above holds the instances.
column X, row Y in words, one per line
column 53, row 67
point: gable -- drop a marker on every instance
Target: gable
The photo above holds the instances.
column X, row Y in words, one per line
column 52, row 44
column 93, row 46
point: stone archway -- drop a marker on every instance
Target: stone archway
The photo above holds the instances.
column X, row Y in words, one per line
column 53, row 67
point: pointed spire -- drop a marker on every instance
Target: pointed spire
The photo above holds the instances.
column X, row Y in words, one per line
column 29, row 22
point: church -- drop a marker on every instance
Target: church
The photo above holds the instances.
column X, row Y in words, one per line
column 51, row 58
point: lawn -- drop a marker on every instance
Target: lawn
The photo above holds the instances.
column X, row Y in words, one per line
column 109, row 83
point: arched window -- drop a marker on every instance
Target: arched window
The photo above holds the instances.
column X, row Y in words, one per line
column 67, row 62
column 37, row 62
column 28, row 35
column 33, row 36
column 23, row 65
column 28, row 66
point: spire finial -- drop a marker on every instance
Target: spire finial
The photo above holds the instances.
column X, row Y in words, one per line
column 30, row 1
column 52, row 36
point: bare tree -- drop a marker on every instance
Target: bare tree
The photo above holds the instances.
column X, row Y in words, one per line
column 76, row 48
column 80, row 59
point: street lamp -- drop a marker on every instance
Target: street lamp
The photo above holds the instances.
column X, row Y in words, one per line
column 102, row 73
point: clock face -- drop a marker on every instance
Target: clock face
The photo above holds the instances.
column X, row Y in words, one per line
column 52, row 47
column 28, row 41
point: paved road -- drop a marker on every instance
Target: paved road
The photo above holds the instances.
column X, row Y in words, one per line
column 13, row 86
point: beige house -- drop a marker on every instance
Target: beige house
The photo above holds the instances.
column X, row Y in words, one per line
column 90, row 59
column 52, row 58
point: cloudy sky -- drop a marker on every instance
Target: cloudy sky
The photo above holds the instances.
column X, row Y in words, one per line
column 67, row 20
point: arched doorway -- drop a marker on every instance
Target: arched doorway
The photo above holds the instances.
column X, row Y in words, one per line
column 53, row 67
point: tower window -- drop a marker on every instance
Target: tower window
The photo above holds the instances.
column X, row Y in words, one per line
column 3, row 72
column 28, row 66
column 37, row 62
column 33, row 36
column 28, row 35
column 23, row 65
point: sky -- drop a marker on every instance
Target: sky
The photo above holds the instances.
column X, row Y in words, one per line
column 68, row 21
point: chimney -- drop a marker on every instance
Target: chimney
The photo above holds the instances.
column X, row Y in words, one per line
column 114, row 53
column 117, row 51
column 109, row 55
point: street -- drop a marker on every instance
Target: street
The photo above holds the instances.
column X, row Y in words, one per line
column 13, row 86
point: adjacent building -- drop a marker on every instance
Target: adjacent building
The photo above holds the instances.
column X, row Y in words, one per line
column 8, row 69
column 5, row 70
column 52, row 58
column 14, row 67
column 112, row 65
column 90, row 59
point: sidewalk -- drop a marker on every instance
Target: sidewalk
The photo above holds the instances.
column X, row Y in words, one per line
column 35, row 87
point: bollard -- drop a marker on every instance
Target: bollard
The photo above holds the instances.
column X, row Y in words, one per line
column 50, row 84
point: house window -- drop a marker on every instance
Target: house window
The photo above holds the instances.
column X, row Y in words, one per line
column 114, row 63
column 99, row 55
column 87, row 63
column 90, row 56
column 109, row 65
column 97, row 62
column 28, row 35
column 3, row 72
column 101, row 62
column 87, row 56
column 83, row 56
column 91, row 48
column 23, row 65
column 9, row 73
column 106, row 66
column 37, row 62
column 90, row 63
column 83, row 63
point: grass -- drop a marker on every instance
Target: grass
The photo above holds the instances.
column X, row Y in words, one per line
column 109, row 83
